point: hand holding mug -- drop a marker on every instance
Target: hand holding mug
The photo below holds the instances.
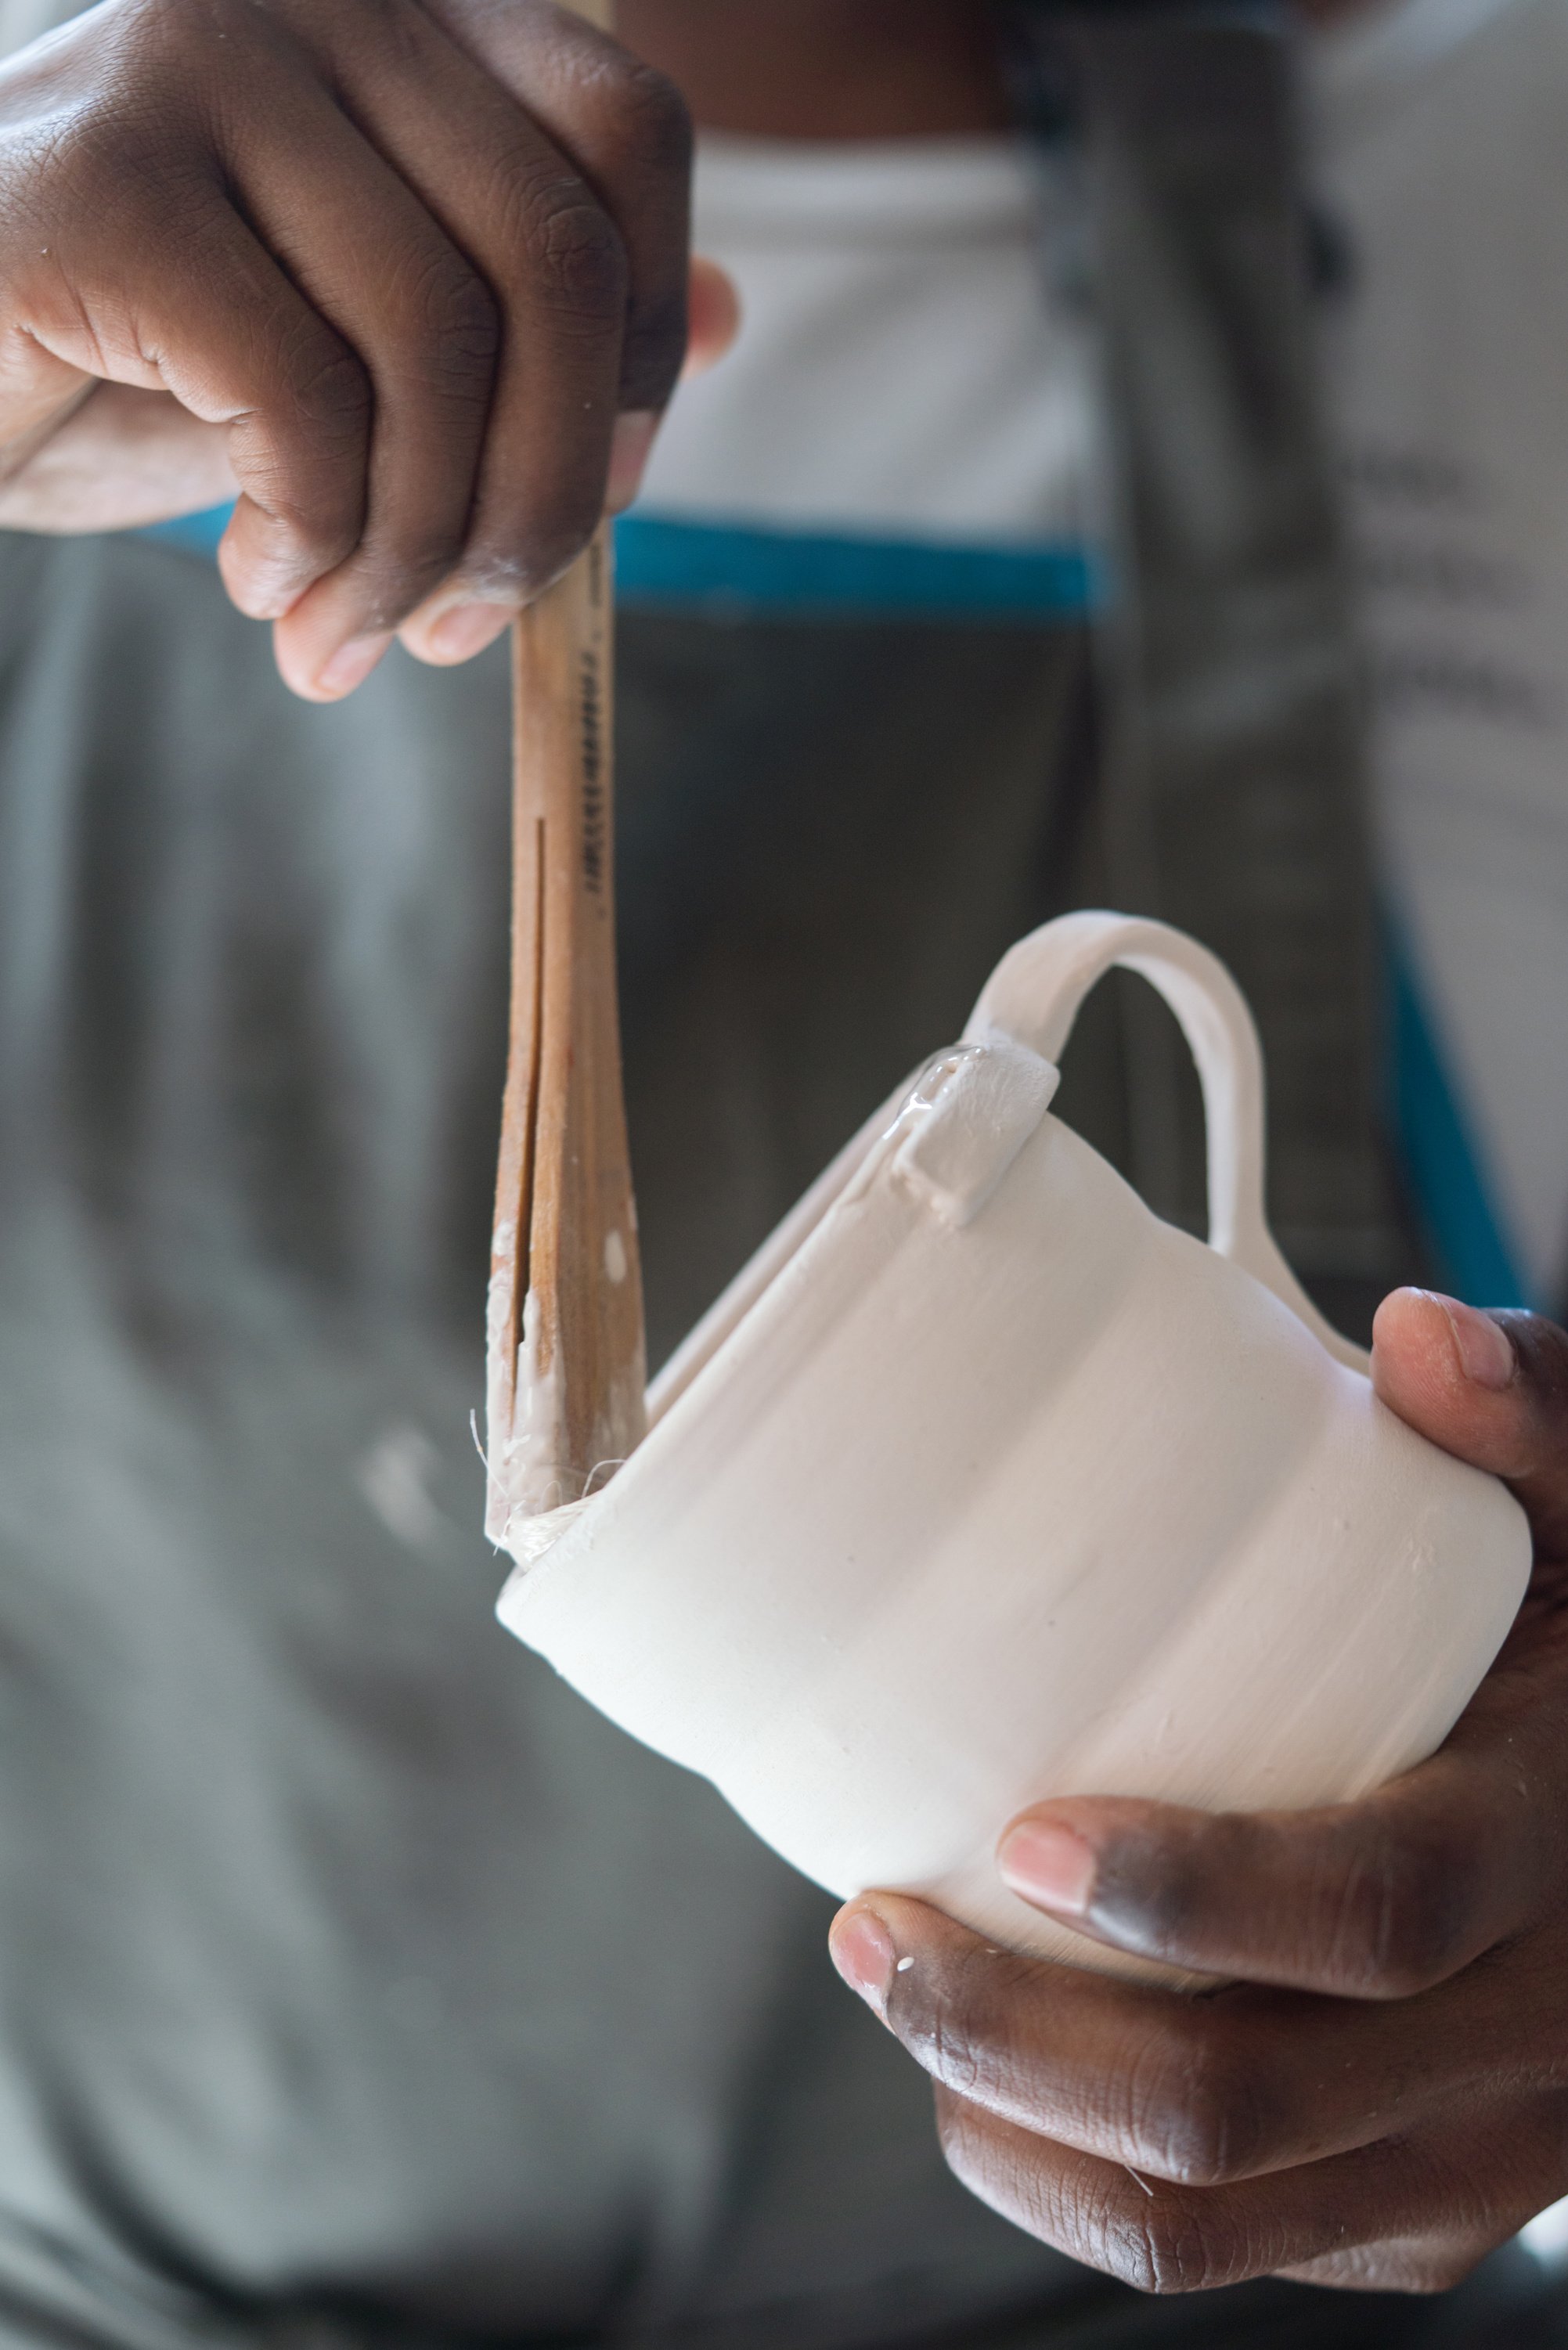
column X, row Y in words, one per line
column 1379, row 2096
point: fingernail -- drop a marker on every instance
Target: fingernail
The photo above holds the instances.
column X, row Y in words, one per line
column 1048, row 1866
column 630, row 448
column 351, row 664
column 467, row 629
column 1486, row 1355
column 862, row 1950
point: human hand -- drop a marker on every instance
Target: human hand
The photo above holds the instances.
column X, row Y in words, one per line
column 409, row 276
column 1380, row 2096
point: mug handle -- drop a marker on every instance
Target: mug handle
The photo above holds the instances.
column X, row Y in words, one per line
column 1034, row 996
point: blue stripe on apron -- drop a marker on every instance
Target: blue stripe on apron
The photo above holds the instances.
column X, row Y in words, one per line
column 720, row 567
column 1432, row 1135
column 196, row 533
column 716, row 569
column 720, row 570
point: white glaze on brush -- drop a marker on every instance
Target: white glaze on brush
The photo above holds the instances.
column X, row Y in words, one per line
column 532, row 1498
column 525, row 1481
column 984, row 1485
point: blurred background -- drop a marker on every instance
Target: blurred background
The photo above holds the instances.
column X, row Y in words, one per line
column 1141, row 479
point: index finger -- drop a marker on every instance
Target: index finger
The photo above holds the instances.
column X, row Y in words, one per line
column 1207, row 2092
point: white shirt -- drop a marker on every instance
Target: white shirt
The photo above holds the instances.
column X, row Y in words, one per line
column 905, row 366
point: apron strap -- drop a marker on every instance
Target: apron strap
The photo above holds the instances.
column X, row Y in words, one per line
column 1233, row 800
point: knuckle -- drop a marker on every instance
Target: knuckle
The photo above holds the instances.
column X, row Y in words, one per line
column 327, row 386
column 653, row 122
column 959, row 2022
column 633, row 118
column 1399, row 1924
column 406, row 560
column 580, row 263
column 1097, row 2223
column 301, row 451
column 1209, row 2117
column 157, row 84
column 530, row 550
column 1155, row 2240
column 1175, row 2247
column 112, row 160
column 458, row 318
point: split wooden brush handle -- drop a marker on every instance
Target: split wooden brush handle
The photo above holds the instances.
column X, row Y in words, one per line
column 566, row 1361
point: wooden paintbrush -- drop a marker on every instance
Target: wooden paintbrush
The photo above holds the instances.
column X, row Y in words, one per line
column 566, row 1367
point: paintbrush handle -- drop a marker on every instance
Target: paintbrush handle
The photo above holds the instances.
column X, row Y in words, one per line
column 567, row 1362
column 567, row 1367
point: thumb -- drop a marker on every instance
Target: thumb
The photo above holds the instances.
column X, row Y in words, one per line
column 1492, row 1388
column 714, row 310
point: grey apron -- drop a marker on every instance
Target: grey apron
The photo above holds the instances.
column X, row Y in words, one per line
column 357, row 1984
column 1232, row 798
column 353, row 1975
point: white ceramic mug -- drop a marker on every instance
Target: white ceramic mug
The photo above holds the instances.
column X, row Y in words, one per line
column 982, row 1486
